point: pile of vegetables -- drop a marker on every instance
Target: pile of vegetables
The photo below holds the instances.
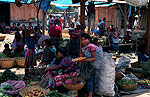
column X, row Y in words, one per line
column 145, row 84
column 126, row 82
column 3, row 55
column 2, row 94
column 8, row 75
column 55, row 94
column 35, row 92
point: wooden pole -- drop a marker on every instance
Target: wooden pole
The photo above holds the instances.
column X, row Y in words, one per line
column 125, row 19
column 148, row 28
column 82, row 14
column 89, row 23
column 44, row 17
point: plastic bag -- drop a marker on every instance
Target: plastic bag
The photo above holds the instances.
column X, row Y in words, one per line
column 124, row 61
column 105, row 76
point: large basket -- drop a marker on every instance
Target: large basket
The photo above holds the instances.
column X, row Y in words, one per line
column 7, row 62
column 25, row 91
column 118, row 76
column 2, row 38
column 138, row 75
column 128, row 87
column 73, row 87
column 20, row 61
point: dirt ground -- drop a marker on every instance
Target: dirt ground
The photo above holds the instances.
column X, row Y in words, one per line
column 20, row 71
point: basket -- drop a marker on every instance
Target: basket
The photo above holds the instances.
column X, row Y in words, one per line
column 20, row 61
column 32, row 83
column 73, row 87
column 118, row 76
column 128, row 87
column 7, row 62
column 24, row 92
column 2, row 38
column 135, row 65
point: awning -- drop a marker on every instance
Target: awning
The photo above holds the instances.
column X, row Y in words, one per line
column 13, row 1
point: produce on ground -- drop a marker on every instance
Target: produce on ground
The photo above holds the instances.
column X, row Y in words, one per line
column 145, row 84
column 6, row 87
column 2, row 94
column 54, row 94
column 126, row 82
column 8, row 75
column 35, row 92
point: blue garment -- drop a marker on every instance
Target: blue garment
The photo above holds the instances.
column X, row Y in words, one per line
column 45, row 5
column 53, row 49
column 91, row 82
column 30, row 42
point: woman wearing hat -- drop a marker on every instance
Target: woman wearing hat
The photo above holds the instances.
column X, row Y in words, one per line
column 55, row 34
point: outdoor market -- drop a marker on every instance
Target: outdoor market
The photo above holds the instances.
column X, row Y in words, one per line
column 75, row 48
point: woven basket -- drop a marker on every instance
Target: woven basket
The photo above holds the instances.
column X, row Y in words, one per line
column 7, row 62
column 2, row 38
column 20, row 61
column 127, row 87
column 118, row 76
column 73, row 87
column 24, row 92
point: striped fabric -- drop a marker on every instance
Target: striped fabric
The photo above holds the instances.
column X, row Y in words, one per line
column 30, row 58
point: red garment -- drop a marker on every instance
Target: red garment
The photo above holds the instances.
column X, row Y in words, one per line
column 55, row 31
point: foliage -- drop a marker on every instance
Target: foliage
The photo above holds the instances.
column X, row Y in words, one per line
column 126, row 82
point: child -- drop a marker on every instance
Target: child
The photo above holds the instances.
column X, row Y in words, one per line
column 30, row 60
column 93, row 54
column 7, row 50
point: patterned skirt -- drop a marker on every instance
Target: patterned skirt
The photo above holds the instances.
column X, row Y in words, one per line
column 55, row 41
column 30, row 59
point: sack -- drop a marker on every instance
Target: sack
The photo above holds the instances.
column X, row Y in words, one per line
column 145, row 66
column 86, row 70
column 124, row 61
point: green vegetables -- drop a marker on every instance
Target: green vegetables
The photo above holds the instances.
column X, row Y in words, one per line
column 126, row 82
column 2, row 94
column 8, row 75
column 55, row 94
column 3, row 55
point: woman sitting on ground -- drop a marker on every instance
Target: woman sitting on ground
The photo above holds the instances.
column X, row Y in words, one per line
column 64, row 69
column 49, row 53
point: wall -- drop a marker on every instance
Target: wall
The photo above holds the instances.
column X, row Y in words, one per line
column 112, row 16
column 24, row 12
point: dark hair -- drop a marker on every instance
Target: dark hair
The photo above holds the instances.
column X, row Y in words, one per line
column 72, row 24
column 104, row 19
column 14, row 23
column 85, row 35
column 18, row 24
column 56, row 21
column 30, row 23
column 63, row 51
column 6, row 45
column 48, row 42
column 99, row 20
column 112, row 30
column 17, row 36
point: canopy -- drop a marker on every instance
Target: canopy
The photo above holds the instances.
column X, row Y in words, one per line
column 64, row 4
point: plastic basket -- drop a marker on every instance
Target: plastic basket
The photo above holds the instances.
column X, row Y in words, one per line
column 20, row 61
column 7, row 62
column 73, row 87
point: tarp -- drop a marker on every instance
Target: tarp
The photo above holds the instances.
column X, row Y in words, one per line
column 13, row 1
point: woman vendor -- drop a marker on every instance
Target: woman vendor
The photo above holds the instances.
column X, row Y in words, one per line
column 94, row 55
column 49, row 52
column 64, row 69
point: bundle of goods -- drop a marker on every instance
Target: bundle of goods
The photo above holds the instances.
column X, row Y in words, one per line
column 33, row 91
column 8, row 75
column 127, row 85
column 145, row 84
column 79, row 59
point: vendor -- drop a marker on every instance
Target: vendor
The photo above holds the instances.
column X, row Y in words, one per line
column 94, row 55
column 49, row 53
column 17, row 45
column 67, row 67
